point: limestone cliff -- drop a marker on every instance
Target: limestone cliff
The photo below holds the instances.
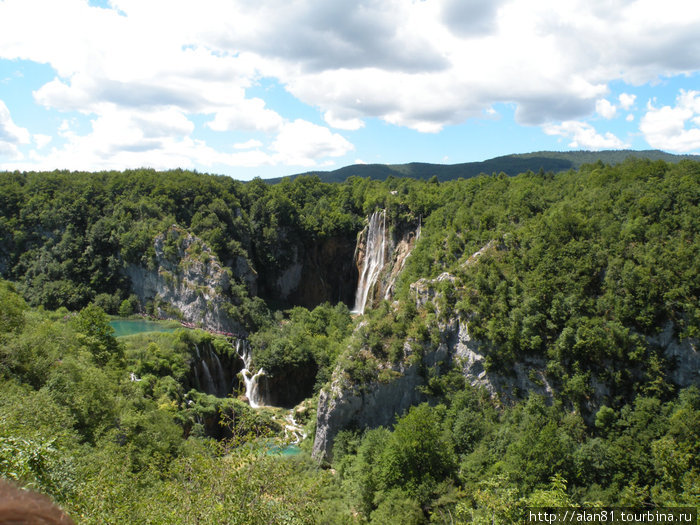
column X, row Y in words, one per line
column 682, row 354
column 186, row 281
column 345, row 404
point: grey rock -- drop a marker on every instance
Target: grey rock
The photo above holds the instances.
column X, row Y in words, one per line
column 188, row 285
column 683, row 354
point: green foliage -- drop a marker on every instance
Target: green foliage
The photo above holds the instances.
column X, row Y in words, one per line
column 303, row 340
column 12, row 308
column 95, row 332
column 418, row 455
column 128, row 306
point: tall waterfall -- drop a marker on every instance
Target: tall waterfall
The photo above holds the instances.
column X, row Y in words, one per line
column 374, row 259
column 252, row 391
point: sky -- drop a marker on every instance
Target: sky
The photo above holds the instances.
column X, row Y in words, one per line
column 267, row 88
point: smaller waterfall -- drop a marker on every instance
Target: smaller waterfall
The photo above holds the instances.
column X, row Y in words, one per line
column 208, row 371
column 374, row 260
column 221, row 385
column 252, row 390
column 209, row 386
column 293, row 431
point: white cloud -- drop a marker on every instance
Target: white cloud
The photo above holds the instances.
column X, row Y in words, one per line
column 418, row 64
column 246, row 115
column 350, row 124
column 9, row 131
column 11, row 135
column 674, row 128
column 302, row 143
column 629, row 118
column 41, row 140
column 605, row 109
column 626, row 100
column 249, row 144
column 584, row 135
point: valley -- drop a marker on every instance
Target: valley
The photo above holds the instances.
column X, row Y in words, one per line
column 366, row 351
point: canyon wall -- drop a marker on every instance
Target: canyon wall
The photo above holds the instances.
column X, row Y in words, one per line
column 185, row 281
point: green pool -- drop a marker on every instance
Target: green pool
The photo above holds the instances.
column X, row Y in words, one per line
column 124, row 327
column 288, row 450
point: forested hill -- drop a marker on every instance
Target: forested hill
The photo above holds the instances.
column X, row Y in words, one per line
column 554, row 161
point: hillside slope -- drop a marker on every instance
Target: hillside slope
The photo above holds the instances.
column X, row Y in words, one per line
column 554, row 161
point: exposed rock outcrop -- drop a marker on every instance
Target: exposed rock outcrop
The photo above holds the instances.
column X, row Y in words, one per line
column 682, row 353
column 344, row 405
column 187, row 282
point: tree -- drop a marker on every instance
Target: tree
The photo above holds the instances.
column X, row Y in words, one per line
column 97, row 334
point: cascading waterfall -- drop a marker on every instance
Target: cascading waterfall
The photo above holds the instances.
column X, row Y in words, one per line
column 209, row 372
column 250, row 379
column 209, row 387
column 293, row 431
column 374, row 260
column 220, row 377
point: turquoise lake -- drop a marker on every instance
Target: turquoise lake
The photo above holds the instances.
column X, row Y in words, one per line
column 124, row 327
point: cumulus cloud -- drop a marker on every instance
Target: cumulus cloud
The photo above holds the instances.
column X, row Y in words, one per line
column 248, row 144
column 583, row 135
column 302, row 143
column 335, row 121
column 626, row 100
column 9, row 131
column 246, row 115
column 674, row 128
column 11, row 135
column 321, row 35
column 418, row 64
column 41, row 140
column 605, row 109
column 471, row 17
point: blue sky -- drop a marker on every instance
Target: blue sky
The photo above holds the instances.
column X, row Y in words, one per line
column 274, row 87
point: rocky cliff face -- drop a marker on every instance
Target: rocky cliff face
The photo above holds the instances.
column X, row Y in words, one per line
column 187, row 282
column 344, row 405
column 682, row 354
column 311, row 275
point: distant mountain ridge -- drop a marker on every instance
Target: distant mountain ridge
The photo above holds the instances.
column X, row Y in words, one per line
column 555, row 161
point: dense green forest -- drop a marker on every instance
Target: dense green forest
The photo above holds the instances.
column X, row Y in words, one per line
column 581, row 271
